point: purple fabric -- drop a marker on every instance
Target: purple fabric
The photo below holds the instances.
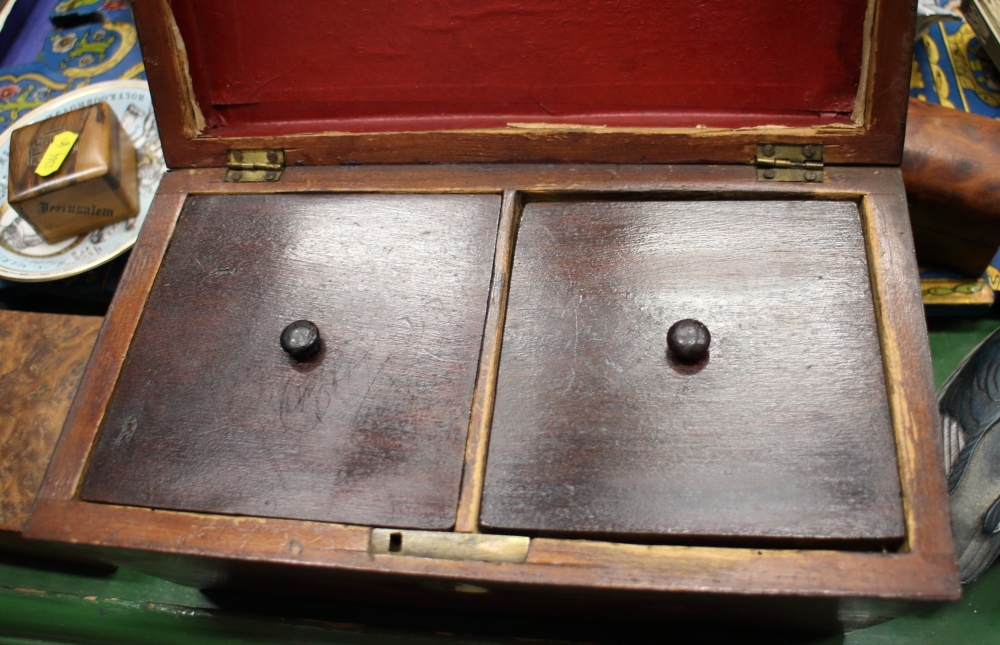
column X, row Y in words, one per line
column 25, row 31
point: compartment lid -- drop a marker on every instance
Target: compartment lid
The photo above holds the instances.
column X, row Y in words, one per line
column 781, row 431
column 210, row 414
column 638, row 81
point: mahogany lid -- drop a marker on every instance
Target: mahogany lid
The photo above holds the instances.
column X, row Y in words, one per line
column 640, row 81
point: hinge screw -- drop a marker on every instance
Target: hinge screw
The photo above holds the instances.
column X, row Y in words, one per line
column 808, row 151
column 237, row 176
column 272, row 156
column 769, row 174
column 237, row 155
column 270, row 175
column 810, row 176
column 768, row 150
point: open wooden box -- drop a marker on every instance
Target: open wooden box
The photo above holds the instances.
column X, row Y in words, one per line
column 494, row 421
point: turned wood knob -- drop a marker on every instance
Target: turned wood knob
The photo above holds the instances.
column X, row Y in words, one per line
column 688, row 340
column 300, row 340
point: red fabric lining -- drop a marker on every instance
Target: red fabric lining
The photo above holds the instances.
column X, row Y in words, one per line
column 386, row 65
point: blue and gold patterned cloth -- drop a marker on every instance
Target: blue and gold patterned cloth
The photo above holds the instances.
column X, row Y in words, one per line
column 951, row 68
column 73, row 57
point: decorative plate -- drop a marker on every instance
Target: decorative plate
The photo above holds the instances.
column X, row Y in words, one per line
column 24, row 256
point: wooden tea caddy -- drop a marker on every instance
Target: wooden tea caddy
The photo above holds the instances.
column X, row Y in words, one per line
column 539, row 261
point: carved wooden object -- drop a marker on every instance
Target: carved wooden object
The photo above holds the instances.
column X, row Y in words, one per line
column 212, row 548
column 951, row 166
column 95, row 184
column 519, row 437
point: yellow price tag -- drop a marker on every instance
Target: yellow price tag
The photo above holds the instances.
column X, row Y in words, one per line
column 56, row 153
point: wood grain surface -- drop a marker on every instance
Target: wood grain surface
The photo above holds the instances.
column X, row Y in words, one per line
column 96, row 185
column 42, row 357
column 89, row 157
column 211, row 415
column 784, row 431
column 951, row 166
column 467, row 517
column 907, row 359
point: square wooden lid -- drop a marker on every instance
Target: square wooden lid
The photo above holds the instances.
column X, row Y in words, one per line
column 780, row 431
column 645, row 81
column 91, row 155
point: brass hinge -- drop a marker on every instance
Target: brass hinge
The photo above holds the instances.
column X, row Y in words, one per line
column 789, row 162
column 450, row 546
column 255, row 165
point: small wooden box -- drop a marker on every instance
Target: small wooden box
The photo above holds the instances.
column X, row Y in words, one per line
column 96, row 185
column 493, row 421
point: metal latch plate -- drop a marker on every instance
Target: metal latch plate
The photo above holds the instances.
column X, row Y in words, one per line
column 450, row 546
column 255, row 165
column 790, row 162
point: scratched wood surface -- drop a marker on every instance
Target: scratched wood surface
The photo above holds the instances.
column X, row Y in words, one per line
column 784, row 431
column 42, row 357
column 211, row 415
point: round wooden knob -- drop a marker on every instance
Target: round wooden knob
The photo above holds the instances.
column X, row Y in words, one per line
column 300, row 339
column 688, row 340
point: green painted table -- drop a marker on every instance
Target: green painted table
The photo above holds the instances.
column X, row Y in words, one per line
column 42, row 602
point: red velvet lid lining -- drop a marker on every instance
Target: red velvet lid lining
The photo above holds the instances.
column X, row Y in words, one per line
column 264, row 68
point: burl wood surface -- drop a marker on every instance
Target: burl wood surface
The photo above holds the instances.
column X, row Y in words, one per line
column 951, row 166
column 785, row 431
column 211, row 415
column 42, row 357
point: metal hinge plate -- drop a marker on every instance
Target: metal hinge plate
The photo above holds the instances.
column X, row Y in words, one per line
column 255, row 165
column 790, row 162
column 450, row 546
